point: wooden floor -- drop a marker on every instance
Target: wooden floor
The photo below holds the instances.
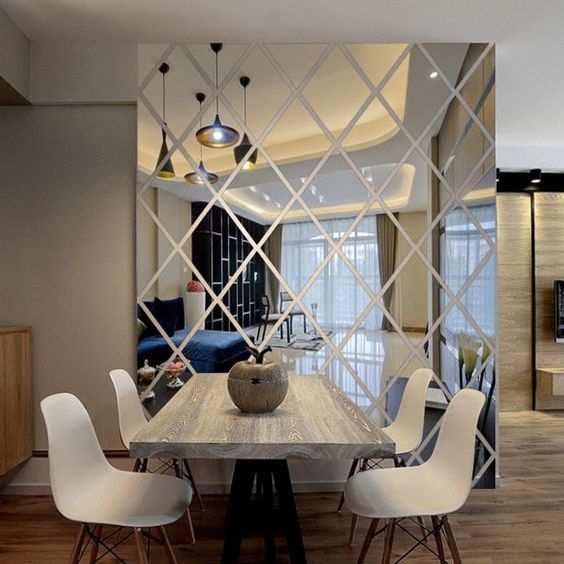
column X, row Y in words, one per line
column 521, row 521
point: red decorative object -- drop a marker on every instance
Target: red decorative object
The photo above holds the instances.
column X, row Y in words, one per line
column 194, row 286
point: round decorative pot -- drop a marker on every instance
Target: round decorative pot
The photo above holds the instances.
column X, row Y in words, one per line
column 257, row 387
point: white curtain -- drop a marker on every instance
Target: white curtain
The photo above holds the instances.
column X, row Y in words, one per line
column 339, row 296
column 462, row 248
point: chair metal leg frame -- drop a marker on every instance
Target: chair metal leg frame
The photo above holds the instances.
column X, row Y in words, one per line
column 190, row 477
column 351, row 473
column 176, row 466
column 439, row 524
column 94, row 533
column 178, row 472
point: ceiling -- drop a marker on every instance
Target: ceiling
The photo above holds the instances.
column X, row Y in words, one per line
column 146, row 21
column 528, row 37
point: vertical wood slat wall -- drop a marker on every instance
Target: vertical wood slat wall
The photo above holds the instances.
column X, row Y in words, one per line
column 15, row 397
column 549, row 266
column 514, row 295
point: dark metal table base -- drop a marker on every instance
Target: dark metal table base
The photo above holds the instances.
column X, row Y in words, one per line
column 270, row 517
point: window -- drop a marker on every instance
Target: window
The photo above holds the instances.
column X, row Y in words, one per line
column 339, row 297
column 462, row 249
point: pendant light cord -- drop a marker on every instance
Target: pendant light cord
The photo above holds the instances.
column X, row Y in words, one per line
column 164, row 97
column 245, row 105
column 216, row 82
column 200, row 128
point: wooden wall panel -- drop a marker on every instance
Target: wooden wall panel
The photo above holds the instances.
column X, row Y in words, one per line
column 17, row 401
column 3, row 467
column 514, row 294
column 549, row 258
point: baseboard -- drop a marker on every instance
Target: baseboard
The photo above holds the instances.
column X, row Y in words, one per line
column 25, row 489
column 205, row 489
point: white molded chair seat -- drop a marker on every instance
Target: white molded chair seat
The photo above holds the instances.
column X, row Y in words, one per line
column 415, row 491
column 88, row 489
column 407, row 429
column 435, row 488
column 132, row 418
column 128, row 499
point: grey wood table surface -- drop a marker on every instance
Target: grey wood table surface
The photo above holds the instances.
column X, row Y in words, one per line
column 315, row 421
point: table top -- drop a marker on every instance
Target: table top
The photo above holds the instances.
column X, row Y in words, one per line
column 315, row 421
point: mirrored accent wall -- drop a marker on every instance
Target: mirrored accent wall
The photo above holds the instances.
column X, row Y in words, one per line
column 356, row 211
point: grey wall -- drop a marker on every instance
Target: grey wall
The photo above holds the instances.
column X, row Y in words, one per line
column 67, row 192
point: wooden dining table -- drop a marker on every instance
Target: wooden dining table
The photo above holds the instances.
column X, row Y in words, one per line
column 316, row 421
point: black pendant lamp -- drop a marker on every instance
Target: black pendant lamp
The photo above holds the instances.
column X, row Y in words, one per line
column 167, row 170
column 217, row 135
column 198, row 176
column 243, row 148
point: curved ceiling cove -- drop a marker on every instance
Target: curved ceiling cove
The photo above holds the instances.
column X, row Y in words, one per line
column 311, row 109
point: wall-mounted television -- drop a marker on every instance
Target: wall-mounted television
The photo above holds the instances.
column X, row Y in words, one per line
column 559, row 311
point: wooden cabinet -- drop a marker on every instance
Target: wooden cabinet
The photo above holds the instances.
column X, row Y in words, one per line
column 550, row 388
column 15, row 397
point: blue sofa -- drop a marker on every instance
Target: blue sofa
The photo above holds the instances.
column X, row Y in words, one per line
column 207, row 351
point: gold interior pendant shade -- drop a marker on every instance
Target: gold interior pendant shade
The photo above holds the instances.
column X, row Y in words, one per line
column 243, row 148
column 200, row 175
column 167, row 170
column 217, row 135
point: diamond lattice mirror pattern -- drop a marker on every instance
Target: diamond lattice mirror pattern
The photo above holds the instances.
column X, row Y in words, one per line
column 356, row 211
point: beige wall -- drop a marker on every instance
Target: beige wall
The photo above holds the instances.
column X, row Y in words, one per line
column 83, row 73
column 15, row 53
column 514, row 295
column 67, row 193
column 409, row 302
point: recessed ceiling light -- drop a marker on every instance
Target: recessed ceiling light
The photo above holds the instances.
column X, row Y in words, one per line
column 535, row 175
column 434, row 74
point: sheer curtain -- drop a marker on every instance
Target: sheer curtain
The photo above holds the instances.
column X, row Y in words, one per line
column 462, row 249
column 339, row 296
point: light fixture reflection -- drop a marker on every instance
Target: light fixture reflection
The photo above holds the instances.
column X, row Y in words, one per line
column 217, row 135
column 244, row 147
column 200, row 175
column 167, row 170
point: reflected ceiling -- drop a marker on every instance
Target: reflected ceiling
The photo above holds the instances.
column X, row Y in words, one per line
column 335, row 92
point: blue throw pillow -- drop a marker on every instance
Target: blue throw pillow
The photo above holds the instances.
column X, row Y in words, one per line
column 165, row 316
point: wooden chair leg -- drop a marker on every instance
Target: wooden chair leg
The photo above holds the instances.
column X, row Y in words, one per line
column 438, row 538
column 75, row 554
column 166, row 545
column 351, row 472
column 95, row 546
column 352, row 532
column 193, row 484
column 387, row 555
column 191, row 535
column 451, row 541
column 422, row 528
column 141, row 554
column 367, row 540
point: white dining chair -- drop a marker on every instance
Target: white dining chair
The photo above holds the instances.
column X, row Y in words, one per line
column 88, row 490
column 406, row 430
column 132, row 419
column 434, row 489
